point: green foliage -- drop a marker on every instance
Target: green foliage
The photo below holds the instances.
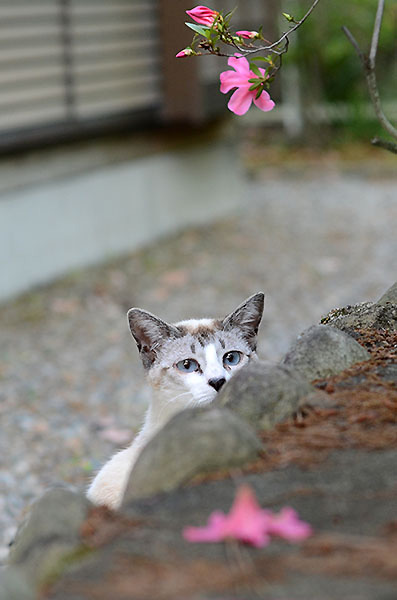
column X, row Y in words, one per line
column 255, row 69
column 200, row 29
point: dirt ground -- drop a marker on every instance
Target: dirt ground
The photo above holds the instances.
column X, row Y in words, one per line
column 72, row 388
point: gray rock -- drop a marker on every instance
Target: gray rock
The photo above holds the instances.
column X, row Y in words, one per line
column 323, row 351
column 389, row 296
column 14, row 586
column 365, row 315
column 318, row 399
column 194, row 441
column 388, row 372
column 50, row 531
column 265, row 394
column 349, row 498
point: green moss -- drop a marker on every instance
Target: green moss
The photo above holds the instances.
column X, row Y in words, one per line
column 54, row 571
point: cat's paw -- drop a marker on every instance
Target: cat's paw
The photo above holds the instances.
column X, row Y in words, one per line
column 103, row 492
column 110, row 483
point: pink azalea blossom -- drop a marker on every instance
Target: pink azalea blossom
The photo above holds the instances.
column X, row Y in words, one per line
column 243, row 97
column 184, row 52
column 203, row 15
column 288, row 526
column 249, row 523
column 246, row 522
column 249, row 35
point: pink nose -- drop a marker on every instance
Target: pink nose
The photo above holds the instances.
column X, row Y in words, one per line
column 217, row 383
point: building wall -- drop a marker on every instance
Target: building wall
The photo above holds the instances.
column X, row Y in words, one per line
column 57, row 224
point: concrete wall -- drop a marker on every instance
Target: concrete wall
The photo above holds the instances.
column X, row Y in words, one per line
column 50, row 227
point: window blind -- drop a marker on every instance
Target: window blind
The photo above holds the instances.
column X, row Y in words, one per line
column 69, row 61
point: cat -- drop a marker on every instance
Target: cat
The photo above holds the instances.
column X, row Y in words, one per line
column 186, row 364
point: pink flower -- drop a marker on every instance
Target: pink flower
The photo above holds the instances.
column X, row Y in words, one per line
column 203, row 15
column 184, row 52
column 249, row 35
column 243, row 97
column 288, row 526
column 249, row 523
column 246, row 522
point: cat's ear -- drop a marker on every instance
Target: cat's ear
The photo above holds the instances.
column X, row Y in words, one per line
column 149, row 332
column 247, row 318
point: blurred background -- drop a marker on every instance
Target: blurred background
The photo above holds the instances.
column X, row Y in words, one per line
column 125, row 181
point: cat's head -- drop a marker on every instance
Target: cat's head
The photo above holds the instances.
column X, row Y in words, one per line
column 191, row 360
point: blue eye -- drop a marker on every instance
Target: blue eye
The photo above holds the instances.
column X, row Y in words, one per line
column 231, row 358
column 189, row 365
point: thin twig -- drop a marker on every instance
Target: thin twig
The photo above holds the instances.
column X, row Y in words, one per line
column 271, row 47
column 376, row 32
column 371, row 74
column 227, row 55
column 354, row 43
column 385, row 144
column 368, row 63
column 287, row 33
column 374, row 95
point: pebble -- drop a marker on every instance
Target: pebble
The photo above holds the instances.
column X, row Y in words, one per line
column 67, row 359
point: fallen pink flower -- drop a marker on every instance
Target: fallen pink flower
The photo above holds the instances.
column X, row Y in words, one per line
column 184, row 52
column 203, row 15
column 288, row 526
column 246, row 522
column 249, row 523
column 249, row 35
column 243, row 97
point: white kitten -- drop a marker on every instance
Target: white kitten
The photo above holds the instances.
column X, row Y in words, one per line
column 186, row 363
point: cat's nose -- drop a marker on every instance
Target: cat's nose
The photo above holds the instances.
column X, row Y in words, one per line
column 217, row 383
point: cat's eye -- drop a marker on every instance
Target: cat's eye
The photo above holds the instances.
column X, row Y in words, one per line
column 188, row 365
column 232, row 358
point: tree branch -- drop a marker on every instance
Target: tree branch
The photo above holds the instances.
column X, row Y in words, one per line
column 354, row 43
column 271, row 47
column 385, row 144
column 369, row 66
column 374, row 95
column 286, row 34
column 376, row 32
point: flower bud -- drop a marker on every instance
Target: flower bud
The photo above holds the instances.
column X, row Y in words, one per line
column 185, row 52
column 203, row 15
column 248, row 35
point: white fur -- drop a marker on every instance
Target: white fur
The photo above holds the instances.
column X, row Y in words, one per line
column 194, row 324
column 174, row 390
column 214, row 367
column 109, row 485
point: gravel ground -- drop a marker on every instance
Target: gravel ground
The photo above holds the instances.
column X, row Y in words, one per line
column 72, row 389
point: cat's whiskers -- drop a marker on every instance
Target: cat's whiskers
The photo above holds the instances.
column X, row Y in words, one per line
column 204, row 399
column 170, row 400
column 166, row 402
